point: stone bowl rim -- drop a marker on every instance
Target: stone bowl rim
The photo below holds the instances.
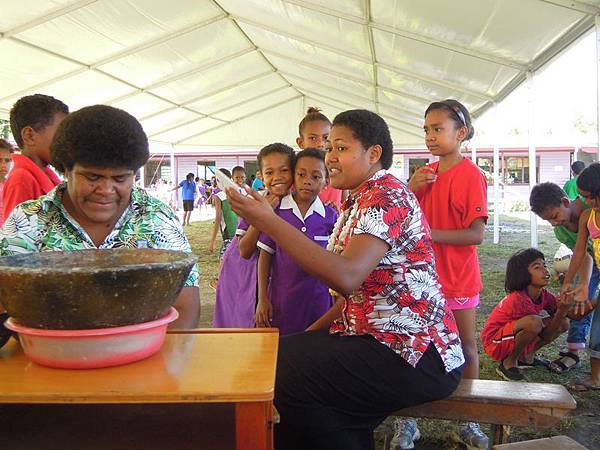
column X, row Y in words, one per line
column 184, row 260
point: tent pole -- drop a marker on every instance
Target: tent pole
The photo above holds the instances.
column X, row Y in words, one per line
column 496, row 166
column 597, row 27
column 532, row 159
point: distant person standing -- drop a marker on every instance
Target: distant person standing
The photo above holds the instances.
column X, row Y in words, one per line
column 258, row 184
column 33, row 122
column 5, row 162
column 188, row 193
column 570, row 186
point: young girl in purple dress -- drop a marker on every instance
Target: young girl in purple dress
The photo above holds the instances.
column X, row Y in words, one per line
column 288, row 297
column 236, row 288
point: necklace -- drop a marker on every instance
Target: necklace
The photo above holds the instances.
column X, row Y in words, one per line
column 340, row 234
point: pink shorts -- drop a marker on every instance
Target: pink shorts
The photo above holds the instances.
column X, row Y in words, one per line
column 462, row 302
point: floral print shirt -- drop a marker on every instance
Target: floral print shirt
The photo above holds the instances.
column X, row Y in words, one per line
column 401, row 302
column 43, row 225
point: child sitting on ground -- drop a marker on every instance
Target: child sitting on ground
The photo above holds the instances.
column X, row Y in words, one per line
column 527, row 319
column 236, row 289
column 551, row 203
column 288, row 297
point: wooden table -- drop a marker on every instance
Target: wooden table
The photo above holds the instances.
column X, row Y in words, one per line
column 200, row 367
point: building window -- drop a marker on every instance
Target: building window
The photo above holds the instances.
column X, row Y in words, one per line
column 513, row 169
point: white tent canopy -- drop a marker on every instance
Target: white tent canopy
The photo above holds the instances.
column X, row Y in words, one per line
column 240, row 73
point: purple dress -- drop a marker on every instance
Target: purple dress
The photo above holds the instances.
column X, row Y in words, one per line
column 236, row 289
column 298, row 298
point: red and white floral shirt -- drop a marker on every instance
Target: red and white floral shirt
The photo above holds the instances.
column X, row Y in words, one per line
column 400, row 303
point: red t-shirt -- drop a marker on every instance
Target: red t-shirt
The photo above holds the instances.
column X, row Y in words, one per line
column 331, row 194
column 514, row 306
column 453, row 202
column 26, row 181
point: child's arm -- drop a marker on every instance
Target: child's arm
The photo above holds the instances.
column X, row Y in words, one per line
column 216, row 226
column 468, row 236
column 553, row 329
column 247, row 242
column 578, row 253
column 264, row 309
column 327, row 319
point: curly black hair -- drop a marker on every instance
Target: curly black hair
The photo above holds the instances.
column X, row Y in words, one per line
column 99, row 136
column 517, row 273
column 544, row 196
column 370, row 129
column 589, row 180
column 457, row 112
column 276, row 147
column 36, row 111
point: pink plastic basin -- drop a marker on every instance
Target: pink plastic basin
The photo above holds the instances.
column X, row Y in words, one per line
column 90, row 349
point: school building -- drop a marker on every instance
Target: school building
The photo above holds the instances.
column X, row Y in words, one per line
column 553, row 164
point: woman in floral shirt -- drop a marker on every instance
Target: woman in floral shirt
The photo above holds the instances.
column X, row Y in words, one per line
column 389, row 342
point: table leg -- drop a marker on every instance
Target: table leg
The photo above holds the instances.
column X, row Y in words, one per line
column 254, row 426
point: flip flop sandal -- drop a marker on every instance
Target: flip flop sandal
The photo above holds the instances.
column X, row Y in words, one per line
column 537, row 362
column 510, row 373
column 559, row 366
column 583, row 386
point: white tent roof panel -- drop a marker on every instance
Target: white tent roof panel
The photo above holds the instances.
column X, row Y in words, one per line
column 241, row 72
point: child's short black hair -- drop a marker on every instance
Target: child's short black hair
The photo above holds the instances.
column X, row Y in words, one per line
column 277, row 147
column 370, row 129
column 577, row 167
column 589, row 180
column 311, row 153
column 99, row 136
column 226, row 172
column 517, row 273
column 36, row 111
column 544, row 196
column 238, row 169
column 6, row 145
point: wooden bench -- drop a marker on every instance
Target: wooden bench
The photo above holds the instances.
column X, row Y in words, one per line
column 551, row 443
column 501, row 404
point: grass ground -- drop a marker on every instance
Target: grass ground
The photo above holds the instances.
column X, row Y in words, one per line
column 582, row 425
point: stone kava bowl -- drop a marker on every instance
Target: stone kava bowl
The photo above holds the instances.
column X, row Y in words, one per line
column 90, row 289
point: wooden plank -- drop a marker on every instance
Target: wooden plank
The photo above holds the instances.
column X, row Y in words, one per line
column 500, row 402
column 552, row 443
column 209, row 367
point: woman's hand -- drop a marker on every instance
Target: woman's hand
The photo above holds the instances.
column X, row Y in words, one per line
column 264, row 313
column 272, row 199
column 422, row 177
column 254, row 208
column 211, row 246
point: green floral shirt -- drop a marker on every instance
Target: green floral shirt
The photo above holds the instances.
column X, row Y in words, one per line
column 43, row 225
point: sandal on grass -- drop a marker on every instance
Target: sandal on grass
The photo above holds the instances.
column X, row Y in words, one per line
column 510, row 373
column 583, row 386
column 537, row 362
column 566, row 362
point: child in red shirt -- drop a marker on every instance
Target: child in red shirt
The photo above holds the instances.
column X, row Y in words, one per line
column 33, row 122
column 528, row 318
column 452, row 193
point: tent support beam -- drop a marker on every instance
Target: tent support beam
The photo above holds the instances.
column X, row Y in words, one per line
column 532, row 158
column 597, row 29
column 346, row 94
column 245, row 116
column 496, row 165
column 372, row 54
column 574, row 5
column 408, row 35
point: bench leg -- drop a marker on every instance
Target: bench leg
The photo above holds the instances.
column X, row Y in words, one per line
column 500, row 434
